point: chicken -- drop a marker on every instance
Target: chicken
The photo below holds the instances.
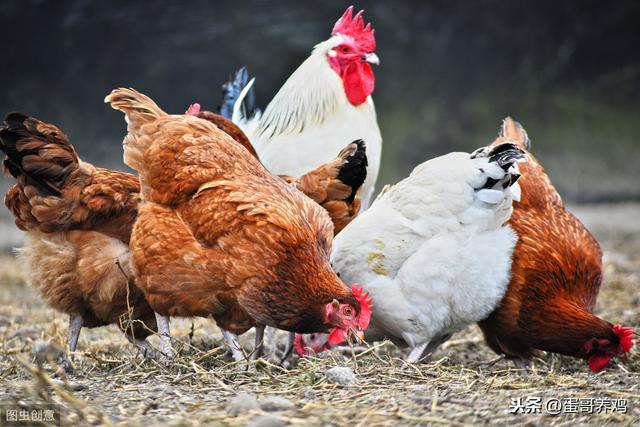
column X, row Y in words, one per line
column 555, row 278
column 217, row 235
column 324, row 103
column 336, row 185
column 78, row 220
column 433, row 250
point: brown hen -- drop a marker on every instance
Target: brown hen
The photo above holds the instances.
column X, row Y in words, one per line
column 78, row 221
column 556, row 276
column 217, row 235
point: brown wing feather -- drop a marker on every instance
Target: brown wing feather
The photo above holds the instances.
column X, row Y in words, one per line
column 323, row 184
column 230, row 129
column 55, row 190
column 336, row 185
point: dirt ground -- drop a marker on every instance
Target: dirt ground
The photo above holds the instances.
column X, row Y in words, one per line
column 464, row 384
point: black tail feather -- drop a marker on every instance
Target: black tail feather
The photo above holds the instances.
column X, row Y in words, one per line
column 354, row 172
column 37, row 152
column 505, row 155
column 231, row 91
column 10, row 133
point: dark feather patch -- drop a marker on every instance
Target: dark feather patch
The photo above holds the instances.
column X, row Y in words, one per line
column 231, row 91
column 354, row 172
column 37, row 151
column 505, row 155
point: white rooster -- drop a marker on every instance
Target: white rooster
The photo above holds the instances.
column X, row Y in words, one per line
column 433, row 250
column 325, row 103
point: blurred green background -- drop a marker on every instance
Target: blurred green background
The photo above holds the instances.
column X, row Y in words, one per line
column 450, row 71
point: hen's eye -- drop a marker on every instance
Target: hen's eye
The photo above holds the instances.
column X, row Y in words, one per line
column 344, row 49
column 348, row 311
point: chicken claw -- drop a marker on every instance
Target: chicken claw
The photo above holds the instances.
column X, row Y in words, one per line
column 258, row 348
column 147, row 350
column 165, row 336
column 422, row 353
column 288, row 350
column 75, row 326
column 234, row 345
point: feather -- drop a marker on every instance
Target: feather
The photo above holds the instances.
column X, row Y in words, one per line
column 238, row 98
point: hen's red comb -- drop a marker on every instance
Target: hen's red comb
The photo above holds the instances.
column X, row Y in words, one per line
column 625, row 334
column 353, row 26
column 366, row 306
column 193, row 110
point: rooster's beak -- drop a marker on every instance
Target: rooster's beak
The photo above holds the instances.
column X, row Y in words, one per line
column 371, row 58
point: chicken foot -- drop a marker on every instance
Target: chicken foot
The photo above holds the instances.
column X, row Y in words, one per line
column 75, row 326
column 523, row 366
column 422, row 352
column 147, row 350
column 288, row 350
column 258, row 348
column 234, row 344
column 165, row 336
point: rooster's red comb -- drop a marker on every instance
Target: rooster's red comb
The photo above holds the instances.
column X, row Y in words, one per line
column 193, row 110
column 353, row 26
column 625, row 334
column 366, row 306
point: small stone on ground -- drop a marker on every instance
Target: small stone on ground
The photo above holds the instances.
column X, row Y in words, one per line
column 243, row 402
column 340, row 375
column 266, row 421
column 276, row 403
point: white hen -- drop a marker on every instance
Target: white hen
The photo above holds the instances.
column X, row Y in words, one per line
column 433, row 250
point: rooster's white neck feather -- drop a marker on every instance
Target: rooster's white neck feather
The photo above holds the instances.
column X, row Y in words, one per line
column 311, row 94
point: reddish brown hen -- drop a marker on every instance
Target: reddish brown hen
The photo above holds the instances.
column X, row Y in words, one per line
column 556, row 276
column 78, row 221
column 217, row 235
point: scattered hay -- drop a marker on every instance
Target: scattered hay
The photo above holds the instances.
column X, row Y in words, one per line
column 465, row 384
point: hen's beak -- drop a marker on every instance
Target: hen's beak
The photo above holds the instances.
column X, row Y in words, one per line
column 356, row 336
column 371, row 58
